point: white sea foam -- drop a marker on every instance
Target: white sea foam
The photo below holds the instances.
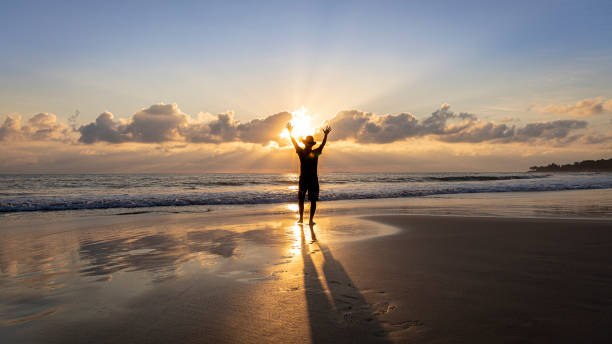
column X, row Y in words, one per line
column 72, row 192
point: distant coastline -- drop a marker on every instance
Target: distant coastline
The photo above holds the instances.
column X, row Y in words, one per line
column 601, row 165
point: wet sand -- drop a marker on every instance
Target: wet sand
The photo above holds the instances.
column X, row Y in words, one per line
column 252, row 277
column 235, row 276
column 490, row 280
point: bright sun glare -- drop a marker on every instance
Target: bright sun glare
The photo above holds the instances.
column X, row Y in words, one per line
column 301, row 124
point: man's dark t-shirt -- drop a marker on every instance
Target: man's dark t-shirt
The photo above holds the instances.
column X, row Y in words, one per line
column 309, row 180
column 308, row 162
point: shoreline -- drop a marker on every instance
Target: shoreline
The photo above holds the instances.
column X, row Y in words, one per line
column 491, row 204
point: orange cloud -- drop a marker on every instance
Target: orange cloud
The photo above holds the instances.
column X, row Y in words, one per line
column 40, row 127
column 583, row 108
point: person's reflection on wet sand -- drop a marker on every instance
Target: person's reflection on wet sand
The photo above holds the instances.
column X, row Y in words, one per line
column 342, row 315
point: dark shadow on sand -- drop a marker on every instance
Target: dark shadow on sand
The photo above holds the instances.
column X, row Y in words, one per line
column 347, row 317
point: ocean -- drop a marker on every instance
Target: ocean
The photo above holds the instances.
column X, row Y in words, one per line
column 54, row 192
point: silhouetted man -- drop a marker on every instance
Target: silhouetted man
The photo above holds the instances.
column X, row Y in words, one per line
column 309, row 180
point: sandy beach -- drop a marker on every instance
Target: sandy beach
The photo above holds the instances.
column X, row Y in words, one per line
column 368, row 273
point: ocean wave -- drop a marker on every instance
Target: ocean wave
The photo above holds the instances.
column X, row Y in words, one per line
column 484, row 178
column 281, row 195
column 15, row 184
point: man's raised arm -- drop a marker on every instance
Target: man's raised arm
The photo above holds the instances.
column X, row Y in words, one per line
column 326, row 132
column 290, row 128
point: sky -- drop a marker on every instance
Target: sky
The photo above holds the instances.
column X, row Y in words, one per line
column 203, row 86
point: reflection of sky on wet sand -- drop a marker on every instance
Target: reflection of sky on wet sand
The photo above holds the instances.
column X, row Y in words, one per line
column 48, row 273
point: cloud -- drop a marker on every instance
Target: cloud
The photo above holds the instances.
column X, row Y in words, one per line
column 224, row 128
column 264, row 130
column 549, row 130
column 158, row 123
column 162, row 139
column 481, row 131
column 510, row 119
column 165, row 122
column 161, row 123
column 220, row 129
column 597, row 138
column 437, row 123
column 40, row 127
column 11, row 128
column 446, row 126
column 103, row 129
column 585, row 107
column 370, row 128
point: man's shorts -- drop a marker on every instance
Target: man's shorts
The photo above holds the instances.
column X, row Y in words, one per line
column 310, row 184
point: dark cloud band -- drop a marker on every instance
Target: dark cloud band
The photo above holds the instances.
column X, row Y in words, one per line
column 165, row 122
column 446, row 126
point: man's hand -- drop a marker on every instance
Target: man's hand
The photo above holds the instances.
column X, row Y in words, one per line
column 289, row 127
column 326, row 130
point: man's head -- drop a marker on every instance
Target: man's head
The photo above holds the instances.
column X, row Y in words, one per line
column 309, row 141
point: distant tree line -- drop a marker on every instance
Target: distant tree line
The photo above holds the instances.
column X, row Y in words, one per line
column 601, row 165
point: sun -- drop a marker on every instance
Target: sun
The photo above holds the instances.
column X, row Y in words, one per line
column 301, row 123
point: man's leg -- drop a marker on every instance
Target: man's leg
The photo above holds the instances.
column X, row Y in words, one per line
column 301, row 196
column 313, row 208
column 313, row 196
